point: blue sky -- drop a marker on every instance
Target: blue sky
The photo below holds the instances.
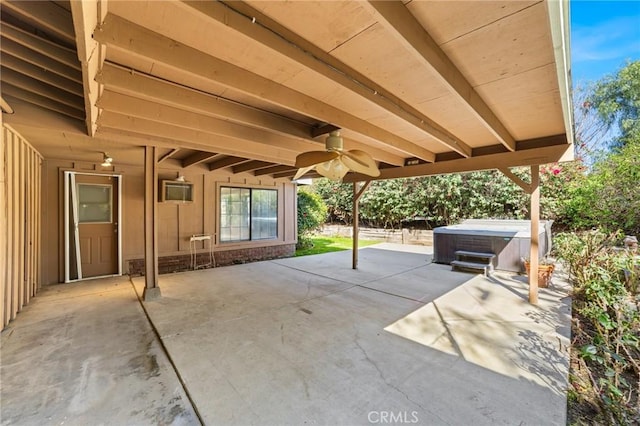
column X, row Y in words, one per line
column 604, row 35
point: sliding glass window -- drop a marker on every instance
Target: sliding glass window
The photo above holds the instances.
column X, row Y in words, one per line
column 248, row 214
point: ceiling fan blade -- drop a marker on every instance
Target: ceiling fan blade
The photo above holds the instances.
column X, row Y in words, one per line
column 334, row 169
column 312, row 158
column 302, row 171
column 360, row 162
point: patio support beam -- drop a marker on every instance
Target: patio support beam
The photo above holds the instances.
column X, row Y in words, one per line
column 542, row 155
column 86, row 15
column 258, row 27
column 196, row 139
column 358, row 190
column 134, row 107
column 120, row 33
column 151, row 288
column 397, row 18
column 535, row 221
column 515, row 179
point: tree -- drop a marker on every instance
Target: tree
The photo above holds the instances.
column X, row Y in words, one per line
column 616, row 98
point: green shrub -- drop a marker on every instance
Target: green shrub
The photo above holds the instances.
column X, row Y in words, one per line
column 312, row 213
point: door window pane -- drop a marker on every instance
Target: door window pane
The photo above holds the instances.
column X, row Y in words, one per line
column 94, row 203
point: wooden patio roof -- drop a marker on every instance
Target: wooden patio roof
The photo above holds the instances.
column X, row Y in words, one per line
column 425, row 87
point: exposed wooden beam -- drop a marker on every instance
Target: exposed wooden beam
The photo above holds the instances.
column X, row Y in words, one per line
column 51, row 18
column 150, row 88
column 142, row 86
column 40, row 88
column 274, row 169
column 86, row 16
column 544, row 155
column 225, row 162
column 398, row 19
column 285, row 42
column 39, row 60
column 250, row 165
column 124, row 34
column 40, row 74
column 289, row 174
column 40, row 45
column 168, row 155
column 189, row 138
column 123, row 104
column 197, row 158
column 44, row 102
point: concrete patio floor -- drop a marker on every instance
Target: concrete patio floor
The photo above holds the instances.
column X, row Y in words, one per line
column 294, row 341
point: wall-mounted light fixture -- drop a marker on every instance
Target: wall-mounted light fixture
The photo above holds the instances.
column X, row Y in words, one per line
column 106, row 160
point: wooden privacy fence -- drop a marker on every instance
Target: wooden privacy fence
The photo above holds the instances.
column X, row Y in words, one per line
column 20, row 230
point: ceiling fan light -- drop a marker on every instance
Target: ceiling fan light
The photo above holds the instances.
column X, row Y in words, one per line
column 334, row 169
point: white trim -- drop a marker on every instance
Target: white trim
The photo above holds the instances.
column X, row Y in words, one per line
column 119, row 224
column 66, row 226
column 76, row 230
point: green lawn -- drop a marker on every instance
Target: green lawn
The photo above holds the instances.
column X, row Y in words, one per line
column 329, row 244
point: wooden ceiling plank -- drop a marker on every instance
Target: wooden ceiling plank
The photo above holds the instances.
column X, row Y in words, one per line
column 43, row 89
column 225, row 162
column 51, row 65
column 278, row 38
column 198, row 157
column 528, row 157
column 111, row 101
column 154, row 89
column 274, row 169
column 250, row 166
column 40, row 45
column 50, row 17
column 398, row 19
column 126, row 35
column 40, row 74
column 44, row 102
column 205, row 141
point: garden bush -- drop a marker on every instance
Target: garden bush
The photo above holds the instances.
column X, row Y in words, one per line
column 312, row 213
column 605, row 327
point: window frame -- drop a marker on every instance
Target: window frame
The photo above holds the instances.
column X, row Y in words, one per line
column 251, row 238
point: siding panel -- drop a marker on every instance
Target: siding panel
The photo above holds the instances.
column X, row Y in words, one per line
column 20, row 190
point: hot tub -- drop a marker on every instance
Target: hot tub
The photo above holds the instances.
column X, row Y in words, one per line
column 509, row 240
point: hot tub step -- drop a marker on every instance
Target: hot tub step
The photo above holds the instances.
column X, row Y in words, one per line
column 461, row 264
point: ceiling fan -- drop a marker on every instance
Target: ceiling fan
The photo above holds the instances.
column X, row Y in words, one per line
column 335, row 163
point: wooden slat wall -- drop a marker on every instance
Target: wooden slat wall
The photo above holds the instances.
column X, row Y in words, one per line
column 20, row 211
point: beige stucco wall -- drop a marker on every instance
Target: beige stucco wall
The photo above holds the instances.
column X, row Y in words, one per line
column 176, row 222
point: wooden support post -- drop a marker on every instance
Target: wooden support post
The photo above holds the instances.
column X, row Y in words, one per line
column 535, row 221
column 357, row 193
column 4, row 221
column 151, row 289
